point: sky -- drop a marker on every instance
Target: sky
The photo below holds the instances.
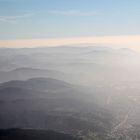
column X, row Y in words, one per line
column 57, row 22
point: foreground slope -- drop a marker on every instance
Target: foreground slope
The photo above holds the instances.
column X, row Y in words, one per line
column 13, row 134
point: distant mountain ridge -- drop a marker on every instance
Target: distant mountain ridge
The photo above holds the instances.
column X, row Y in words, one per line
column 42, row 84
column 25, row 73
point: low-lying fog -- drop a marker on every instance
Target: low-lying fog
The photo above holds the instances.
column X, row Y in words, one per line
column 89, row 92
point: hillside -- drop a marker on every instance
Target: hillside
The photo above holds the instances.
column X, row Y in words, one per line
column 29, row 134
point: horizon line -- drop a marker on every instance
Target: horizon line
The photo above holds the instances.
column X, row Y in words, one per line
column 130, row 41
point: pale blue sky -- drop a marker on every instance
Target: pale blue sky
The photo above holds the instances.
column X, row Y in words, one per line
column 30, row 19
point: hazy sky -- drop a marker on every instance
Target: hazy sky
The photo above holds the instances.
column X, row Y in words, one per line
column 38, row 19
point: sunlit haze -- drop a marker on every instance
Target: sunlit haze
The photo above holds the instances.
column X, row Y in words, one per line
column 69, row 69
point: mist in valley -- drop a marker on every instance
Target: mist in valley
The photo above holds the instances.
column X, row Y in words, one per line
column 88, row 92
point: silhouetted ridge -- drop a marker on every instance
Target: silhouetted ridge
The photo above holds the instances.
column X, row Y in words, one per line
column 28, row 134
column 42, row 84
